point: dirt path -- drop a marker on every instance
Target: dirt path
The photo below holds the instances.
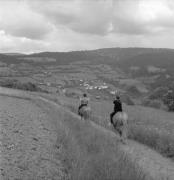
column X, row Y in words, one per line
column 27, row 149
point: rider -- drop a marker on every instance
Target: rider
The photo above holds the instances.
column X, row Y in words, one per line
column 117, row 107
column 84, row 101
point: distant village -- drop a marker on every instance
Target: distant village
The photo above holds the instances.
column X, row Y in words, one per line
column 61, row 79
column 64, row 84
column 91, row 87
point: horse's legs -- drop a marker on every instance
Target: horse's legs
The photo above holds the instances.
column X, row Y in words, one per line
column 124, row 135
column 118, row 131
column 82, row 118
column 111, row 117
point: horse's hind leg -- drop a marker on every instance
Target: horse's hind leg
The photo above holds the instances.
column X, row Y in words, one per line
column 124, row 135
column 82, row 118
column 119, row 132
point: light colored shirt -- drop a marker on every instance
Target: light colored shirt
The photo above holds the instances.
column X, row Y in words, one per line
column 84, row 100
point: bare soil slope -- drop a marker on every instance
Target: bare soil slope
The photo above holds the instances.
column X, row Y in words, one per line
column 28, row 139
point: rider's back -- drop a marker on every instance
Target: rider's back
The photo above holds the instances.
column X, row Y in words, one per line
column 117, row 105
column 84, row 100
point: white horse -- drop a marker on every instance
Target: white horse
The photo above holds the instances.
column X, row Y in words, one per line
column 120, row 123
column 85, row 112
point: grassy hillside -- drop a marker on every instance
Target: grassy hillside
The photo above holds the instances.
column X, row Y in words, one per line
column 148, row 126
column 87, row 151
column 92, row 152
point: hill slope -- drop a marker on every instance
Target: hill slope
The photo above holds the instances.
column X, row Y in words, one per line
column 83, row 149
column 87, row 150
column 9, row 59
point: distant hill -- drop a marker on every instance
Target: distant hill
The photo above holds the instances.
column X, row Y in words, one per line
column 9, row 59
column 135, row 61
column 13, row 54
column 152, row 68
column 70, row 57
column 129, row 56
column 124, row 53
column 160, row 59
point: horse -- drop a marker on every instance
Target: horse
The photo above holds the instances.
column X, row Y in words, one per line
column 120, row 123
column 85, row 112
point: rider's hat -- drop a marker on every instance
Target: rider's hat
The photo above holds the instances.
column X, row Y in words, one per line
column 117, row 94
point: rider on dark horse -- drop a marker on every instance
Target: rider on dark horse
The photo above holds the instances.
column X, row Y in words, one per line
column 117, row 108
column 84, row 101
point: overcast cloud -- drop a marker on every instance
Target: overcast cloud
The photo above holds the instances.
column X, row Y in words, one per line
column 64, row 25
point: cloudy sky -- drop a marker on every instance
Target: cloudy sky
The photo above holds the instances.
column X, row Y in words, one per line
column 64, row 25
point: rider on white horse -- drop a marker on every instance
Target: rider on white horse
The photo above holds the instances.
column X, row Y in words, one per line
column 84, row 101
column 117, row 107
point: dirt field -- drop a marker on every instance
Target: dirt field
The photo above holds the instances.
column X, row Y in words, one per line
column 27, row 148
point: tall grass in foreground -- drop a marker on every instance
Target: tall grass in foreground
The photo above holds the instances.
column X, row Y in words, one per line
column 155, row 137
column 92, row 155
column 160, row 140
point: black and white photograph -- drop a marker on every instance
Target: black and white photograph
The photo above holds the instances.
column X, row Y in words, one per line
column 86, row 89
